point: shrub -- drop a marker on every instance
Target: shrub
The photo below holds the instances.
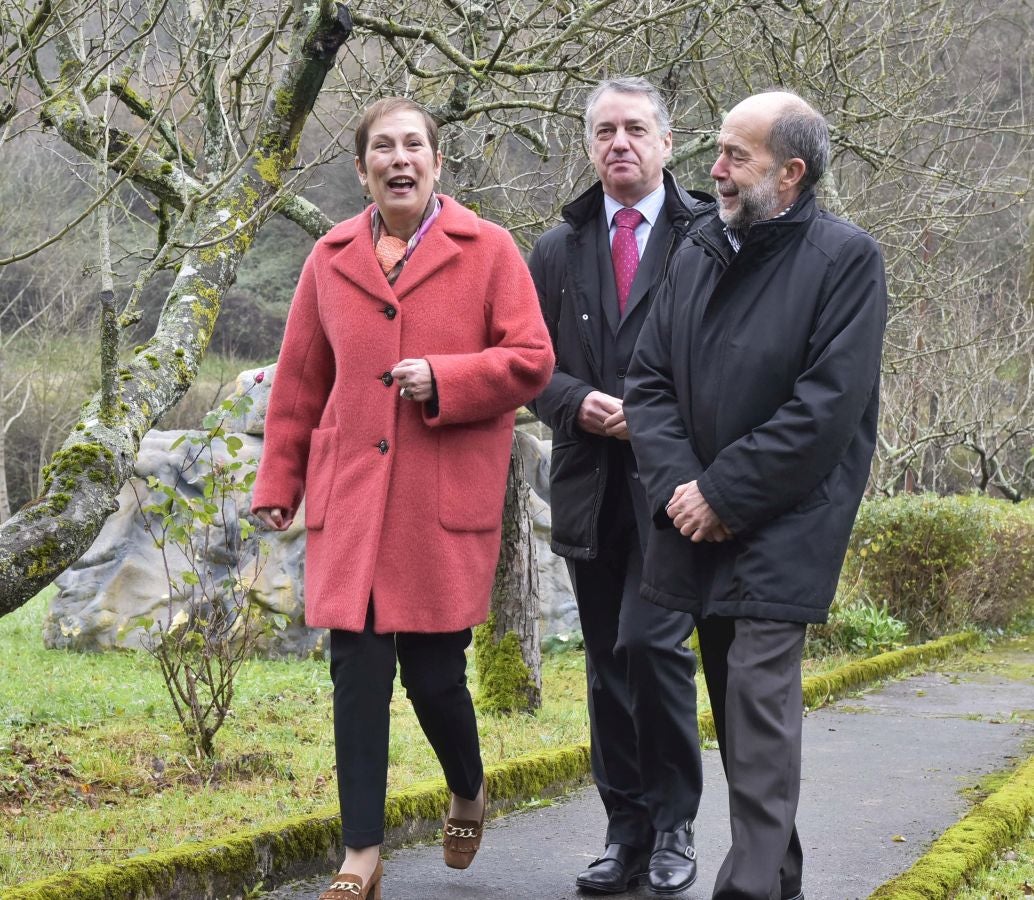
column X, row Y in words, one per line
column 941, row 563
column 859, row 627
column 210, row 626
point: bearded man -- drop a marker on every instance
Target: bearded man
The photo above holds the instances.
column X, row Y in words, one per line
column 751, row 400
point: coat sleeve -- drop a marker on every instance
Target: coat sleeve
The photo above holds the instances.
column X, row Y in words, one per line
column 301, row 385
column 557, row 406
column 775, row 466
column 660, row 439
column 517, row 360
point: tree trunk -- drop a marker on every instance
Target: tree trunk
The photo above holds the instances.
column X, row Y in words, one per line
column 5, row 502
column 83, row 480
column 507, row 653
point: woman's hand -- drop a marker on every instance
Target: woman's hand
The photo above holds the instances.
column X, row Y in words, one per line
column 414, row 379
column 273, row 517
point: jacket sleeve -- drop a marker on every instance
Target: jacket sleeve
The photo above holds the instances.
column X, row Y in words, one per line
column 301, row 385
column 660, row 439
column 517, row 359
column 775, row 466
column 557, row 406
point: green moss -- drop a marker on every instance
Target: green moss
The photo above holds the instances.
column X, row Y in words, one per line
column 41, row 557
column 179, row 352
column 59, row 501
column 70, row 68
column 205, row 309
column 283, row 101
column 93, row 459
column 152, row 361
column 269, row 168
column 505, row 683
column 970, row 844
column 167, row 168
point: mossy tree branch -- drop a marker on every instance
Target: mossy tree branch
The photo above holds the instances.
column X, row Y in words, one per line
column 82, row 482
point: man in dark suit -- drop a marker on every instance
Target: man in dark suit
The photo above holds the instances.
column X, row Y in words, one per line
column 752, row 399
column 596, row 276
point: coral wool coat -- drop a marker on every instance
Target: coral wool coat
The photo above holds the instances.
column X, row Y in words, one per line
column 401, row 505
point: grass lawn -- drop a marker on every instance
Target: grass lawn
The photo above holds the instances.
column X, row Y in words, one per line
column 94, row 768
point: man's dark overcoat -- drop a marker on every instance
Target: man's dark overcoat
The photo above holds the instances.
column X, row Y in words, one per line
column 578, row 305
column 757, row 374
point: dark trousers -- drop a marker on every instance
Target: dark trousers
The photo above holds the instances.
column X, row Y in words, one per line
column 642, row 697
column 433, row 672
column 753, row 673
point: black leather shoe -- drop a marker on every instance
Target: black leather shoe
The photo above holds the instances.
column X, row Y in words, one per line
column 673, row 863
column 619, row 868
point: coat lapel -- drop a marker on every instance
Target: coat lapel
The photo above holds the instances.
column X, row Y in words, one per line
column 356, row 262
column 435, row 250
column 608, row 286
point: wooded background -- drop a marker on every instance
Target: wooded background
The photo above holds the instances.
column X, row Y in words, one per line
column 165, row 166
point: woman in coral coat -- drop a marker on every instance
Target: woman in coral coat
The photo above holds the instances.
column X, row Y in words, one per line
column 414, row 334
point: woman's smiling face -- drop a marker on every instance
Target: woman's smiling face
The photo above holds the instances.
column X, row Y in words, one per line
column 400, row 169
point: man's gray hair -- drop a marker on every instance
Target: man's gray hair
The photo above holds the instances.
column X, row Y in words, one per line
column 628, row 85
column 800, row 131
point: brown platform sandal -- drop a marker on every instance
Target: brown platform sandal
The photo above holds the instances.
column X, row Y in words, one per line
column 461, row 839
column 351, row 887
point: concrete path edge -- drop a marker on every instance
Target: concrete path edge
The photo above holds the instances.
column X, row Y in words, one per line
column 303, row 846
column 970, row 844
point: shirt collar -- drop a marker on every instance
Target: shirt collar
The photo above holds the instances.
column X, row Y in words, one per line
column 737, row 236
column 650, row 206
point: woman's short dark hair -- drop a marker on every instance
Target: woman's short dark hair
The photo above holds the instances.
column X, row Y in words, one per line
column 384, row 107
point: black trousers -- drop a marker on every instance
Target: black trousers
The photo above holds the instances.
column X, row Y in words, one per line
column 433, row 672
column 641, row 694
column 753, row 673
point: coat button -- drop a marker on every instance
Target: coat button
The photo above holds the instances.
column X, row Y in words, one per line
column 387, row 379
column 383, row 446
column 390, row 312
column 621, row 373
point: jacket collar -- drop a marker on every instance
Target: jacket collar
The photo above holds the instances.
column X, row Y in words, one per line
column 351, row 245
column 681, row 206
column 763, row 238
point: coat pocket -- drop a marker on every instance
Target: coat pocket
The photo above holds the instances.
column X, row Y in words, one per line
column 472, row 463
column 319, row 475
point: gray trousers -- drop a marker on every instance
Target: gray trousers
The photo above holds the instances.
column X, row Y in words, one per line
column 753, row 673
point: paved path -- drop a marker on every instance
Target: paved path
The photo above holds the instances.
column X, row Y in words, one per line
column 882, row 775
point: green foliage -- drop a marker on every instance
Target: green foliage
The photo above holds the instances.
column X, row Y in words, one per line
column 870, row 629
column 209, row 627
column 941, row 563
column 856, row 626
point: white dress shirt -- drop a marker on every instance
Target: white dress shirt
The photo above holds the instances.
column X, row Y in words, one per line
column 650, row 207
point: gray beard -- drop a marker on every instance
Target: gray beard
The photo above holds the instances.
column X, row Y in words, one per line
column 756, row 203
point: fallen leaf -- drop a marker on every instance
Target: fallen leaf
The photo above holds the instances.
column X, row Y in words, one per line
column 899, row 839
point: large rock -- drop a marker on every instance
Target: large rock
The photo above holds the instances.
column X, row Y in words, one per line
column 121, row 579
column 556, row 598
